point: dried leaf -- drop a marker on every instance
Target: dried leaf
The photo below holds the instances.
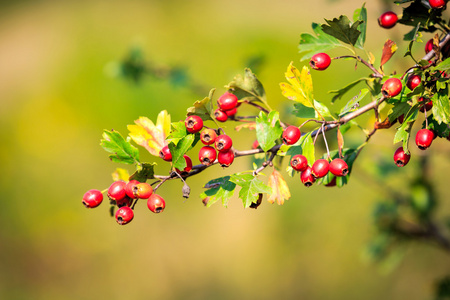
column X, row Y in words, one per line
column 388, row 50
column 280, row 189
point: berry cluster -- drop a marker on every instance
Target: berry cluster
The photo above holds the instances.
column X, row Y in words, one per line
column 124, row 196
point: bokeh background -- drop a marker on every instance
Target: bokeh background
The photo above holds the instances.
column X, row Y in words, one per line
column 57, row 94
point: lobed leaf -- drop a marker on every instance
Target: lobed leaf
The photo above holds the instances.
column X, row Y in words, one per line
column 150, row 136
column 183, row 146
column 121, row 149
column 200, row 108
column 144, row 171
column 251, row 187
column 280, row 189
column 360, row 14
column 247, row 86
column 300, row 87
column 218, row 189
column 343, row 29
column 322, row 42
column 268, row 129
column 441, row 106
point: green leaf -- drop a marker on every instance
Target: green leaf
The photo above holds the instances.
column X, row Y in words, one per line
column 219, row 189
column 144, row 171
column 400, row 108
column 177, row 133
column 321, row 110
column 268, row 129
column 360, row 14
column 343, row 30
column 404, row 131
column 353, row 104
column 251, row 187
column 183, row 146
column 341, row 92
column 247, row 87
column 443, row 66
column 201, row 108
column 440, row 129
column 121, row 149
column 441, row 106
column 322, row 42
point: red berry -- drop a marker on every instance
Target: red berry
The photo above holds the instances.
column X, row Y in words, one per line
column 299, row 162
column 338, row 167
column 207, row 155
column 143, row 190
column 424, row 138
column 188, row 167
column 391, row 87
column 226, row 158
column 124, row 215
column 425, row 106
column 437, row 3
column 165, row 153
column 401, row 158
column 320, row 168
column 429, row 46
column 129, row 188
column 331, row 183
column 156, row 203
column 208, row 136
column 220, row 115
column 127, row 201
column 193, row 124
column 116, row 190
column 401, row 118
column 291, row 135
column 413, row 81
column 255, row 144
column 223, row 143
column 231, row 112
column 320, row 61
column 227, row 101
column 307, row 178
column 92, row 198
column 388, row 19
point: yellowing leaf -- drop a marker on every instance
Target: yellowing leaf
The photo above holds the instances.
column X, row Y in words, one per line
column 150, row 136
column 389, row 49
column 300, row 87
column 280, row 189
column 249, row 126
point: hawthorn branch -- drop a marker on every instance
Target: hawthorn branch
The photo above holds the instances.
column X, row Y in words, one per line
column 376, row 73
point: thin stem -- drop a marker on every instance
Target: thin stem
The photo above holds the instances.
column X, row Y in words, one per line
column 265, row 164
column 326, row 143
column 376, row 73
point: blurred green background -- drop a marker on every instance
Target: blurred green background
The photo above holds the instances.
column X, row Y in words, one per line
column 57, row 96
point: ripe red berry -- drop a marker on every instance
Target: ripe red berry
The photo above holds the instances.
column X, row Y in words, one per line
column 124, row 215
column 129, row 188
column 401, row 158
column 208, row 136
column 165, row 153
column 231, row 112
column 193, row 124
column 127, row 201
column 338, row 167
column 188, row 167
column 320, row 61
column 143, row 190
column 320, row 168
column 255, row 144
column 220, row 115
column 437, row 3
column 391, row 87
column 92, row 198
column 291, row 135
column 227, row 101
column 388, row 19
column 429, row 46
column 156, row 203
column 424, row 138
column 299, row 162
column 226, row 158
column 223, row 143
column 116, row 190
column 207, row 155
column 425, row 104
column 307, row 178
column 413, row 81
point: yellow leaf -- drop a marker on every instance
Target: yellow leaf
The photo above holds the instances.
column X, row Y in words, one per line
column 300, row 87
column 280, row 189
column 150, row 136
